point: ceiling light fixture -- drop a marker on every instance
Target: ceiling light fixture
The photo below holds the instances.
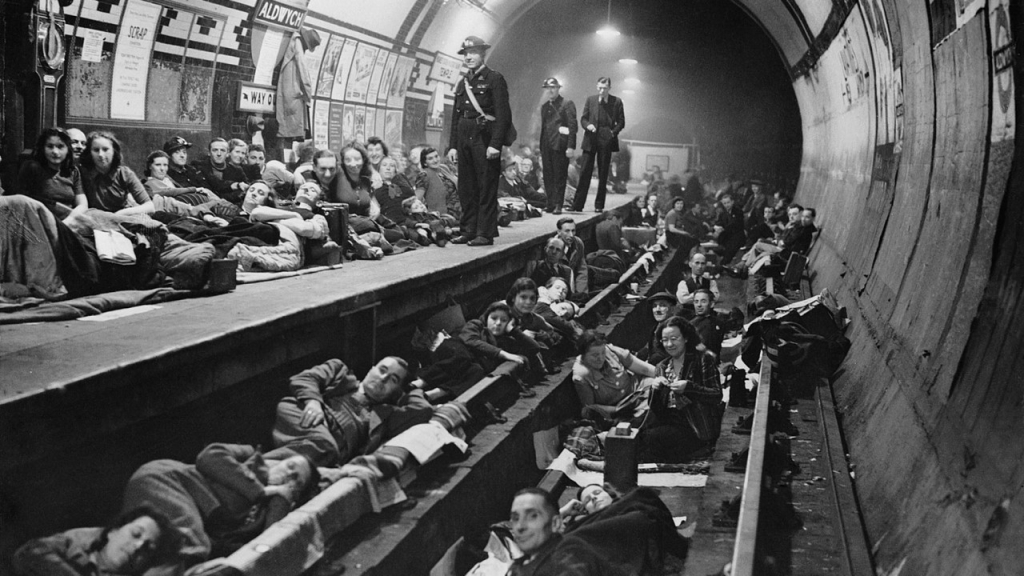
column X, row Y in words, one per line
column 608, row 29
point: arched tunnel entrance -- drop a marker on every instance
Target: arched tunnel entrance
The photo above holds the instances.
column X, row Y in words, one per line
column 896, row 119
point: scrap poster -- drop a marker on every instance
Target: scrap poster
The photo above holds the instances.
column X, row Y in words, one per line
column 362, row 70
column 131, row 60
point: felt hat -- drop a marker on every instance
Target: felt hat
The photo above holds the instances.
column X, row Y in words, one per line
column 663, row 295
column 551, row 83
column 176, row 143
column 473, row 42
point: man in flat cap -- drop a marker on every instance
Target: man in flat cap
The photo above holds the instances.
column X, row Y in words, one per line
column 481, row 120
column 557, row 142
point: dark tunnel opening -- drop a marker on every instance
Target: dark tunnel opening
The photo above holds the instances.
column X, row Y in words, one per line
column 706, row 74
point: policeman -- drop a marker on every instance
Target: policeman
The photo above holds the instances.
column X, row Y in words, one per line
column 557, row 142
column 481, row 119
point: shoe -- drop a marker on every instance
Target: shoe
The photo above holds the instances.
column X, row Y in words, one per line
column 556, row 211
column 480, row 241
column 462, row 239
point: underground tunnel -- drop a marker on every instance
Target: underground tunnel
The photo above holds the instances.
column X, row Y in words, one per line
column 894, row 119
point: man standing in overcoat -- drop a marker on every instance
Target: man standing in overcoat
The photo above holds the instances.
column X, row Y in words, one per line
column 603, row 118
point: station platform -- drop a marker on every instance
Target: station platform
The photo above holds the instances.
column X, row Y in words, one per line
column 85, row 402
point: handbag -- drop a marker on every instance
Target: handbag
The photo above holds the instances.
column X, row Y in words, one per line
column 510, row 134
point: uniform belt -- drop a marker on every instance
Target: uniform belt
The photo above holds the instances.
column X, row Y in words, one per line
column 470, row 115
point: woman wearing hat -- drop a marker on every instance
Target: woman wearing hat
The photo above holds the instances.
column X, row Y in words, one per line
column 183, row 175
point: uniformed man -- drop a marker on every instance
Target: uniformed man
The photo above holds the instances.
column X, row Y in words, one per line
column 557, row 142
column 481, row 119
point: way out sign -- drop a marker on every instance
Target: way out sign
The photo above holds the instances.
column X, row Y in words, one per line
column 256, row 98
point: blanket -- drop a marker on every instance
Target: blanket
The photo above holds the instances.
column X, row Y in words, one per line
column 633, row 535
column 41, row 311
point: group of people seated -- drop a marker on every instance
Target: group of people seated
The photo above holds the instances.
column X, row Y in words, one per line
column 738, row 218
column 266, row 215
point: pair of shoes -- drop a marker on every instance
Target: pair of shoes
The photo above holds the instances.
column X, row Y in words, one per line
column 479, row 241
column 463, row 239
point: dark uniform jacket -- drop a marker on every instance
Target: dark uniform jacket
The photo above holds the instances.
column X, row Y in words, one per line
column 554, row 115
column 221, row 186
column 491, row 92
column 609, row 122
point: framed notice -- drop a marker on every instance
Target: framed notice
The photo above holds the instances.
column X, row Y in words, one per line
column 344, row 72
column 445, row 69
column 131, row 60
column 386, row 77
column 378, row 73
column 360, row 73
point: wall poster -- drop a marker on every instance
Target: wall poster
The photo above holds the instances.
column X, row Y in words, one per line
column 360, row 124
column 379, row 124
column 378, row 73
column 385, row 82
column 344, row 72
column 393, row 127
column 371, row 123
column 314, row 58
column 336, row 126
column 330, row 66
column 362, row 70
column 348, row 127
column 131, row 60
column 321, row 123
column 400, row 82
